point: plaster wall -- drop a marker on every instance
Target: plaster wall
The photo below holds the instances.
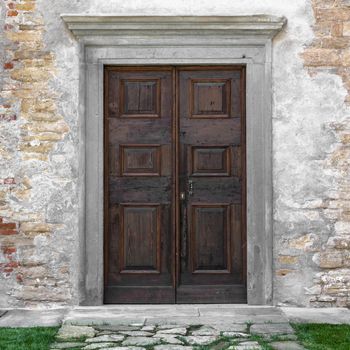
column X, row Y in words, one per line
column 40, row 175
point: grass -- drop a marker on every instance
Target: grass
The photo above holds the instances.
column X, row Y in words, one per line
column 38, row 338
column 312, row 336
column 323, row 336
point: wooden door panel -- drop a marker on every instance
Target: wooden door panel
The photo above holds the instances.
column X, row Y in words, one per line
column 140, row 160
column 140, row 98
column 210, row 128
column 210, row 98
column 146, row 190
column 211, row 105
column 139, row 180
column 210, row 238
column 209, row 160
column 142, row 130
column 224, row 190
column 140, row 238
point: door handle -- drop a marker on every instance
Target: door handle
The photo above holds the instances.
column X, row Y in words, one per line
column 190, row 188
column 184, row 232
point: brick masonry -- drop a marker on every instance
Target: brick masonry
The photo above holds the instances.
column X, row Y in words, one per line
column 40, row 201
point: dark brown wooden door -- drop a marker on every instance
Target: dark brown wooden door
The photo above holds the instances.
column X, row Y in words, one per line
column 139, row 186
column 212, row 184
column 174, row 185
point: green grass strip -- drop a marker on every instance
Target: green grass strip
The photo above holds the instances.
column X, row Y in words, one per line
column 38, row 338
column 323, row 336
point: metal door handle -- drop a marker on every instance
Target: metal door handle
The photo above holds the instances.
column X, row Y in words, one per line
column 190, row 187
column 184, row 233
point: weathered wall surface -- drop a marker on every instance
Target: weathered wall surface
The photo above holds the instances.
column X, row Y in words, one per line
column 39, row 146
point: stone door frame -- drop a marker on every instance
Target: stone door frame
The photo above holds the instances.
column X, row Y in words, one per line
column 167, row 40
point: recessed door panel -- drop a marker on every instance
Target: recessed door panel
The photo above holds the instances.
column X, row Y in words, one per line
column 210, row 238
column 140, row 232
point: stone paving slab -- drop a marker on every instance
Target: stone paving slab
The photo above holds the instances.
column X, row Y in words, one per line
column 66, row 345
column 271, row 329
column 317, row 315
column 95, row 319
column 286, row 345
column 69, row 332
column 32, row 318
column 173, row 337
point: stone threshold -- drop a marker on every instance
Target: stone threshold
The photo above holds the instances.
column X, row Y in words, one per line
column 173, row 314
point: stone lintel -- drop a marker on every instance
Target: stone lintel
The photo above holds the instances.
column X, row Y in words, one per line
column 95, row 25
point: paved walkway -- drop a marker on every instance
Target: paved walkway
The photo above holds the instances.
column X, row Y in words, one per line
column 174, row 327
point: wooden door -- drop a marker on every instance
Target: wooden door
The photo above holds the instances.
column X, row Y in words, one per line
column 174, row 185
column 211, row 109
column 139, row 186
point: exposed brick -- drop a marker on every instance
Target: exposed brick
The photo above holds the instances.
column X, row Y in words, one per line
column 8, row 65
column 24, row 36
column 337, row 29
column 12, row 13
column 287, row 259
column 334, row 14
column 12, row 264
column 7, row 226
column 346, row 28
column 8, row 26
column 35, row 227
column 30, row 75
column 8, row 232
column 322, row 57
column 332, row 43
column 6, row 117
column 9, row 250
column 9, row 181
column 27, row 6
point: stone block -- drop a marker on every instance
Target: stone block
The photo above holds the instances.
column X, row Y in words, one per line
column 26, row 6
column 286, row 345
column 329, row 259
column 200, row 340
column 172, row 347
column 248, row 345
column 271, row 329
column 176, row 330
column 106, row 338
column 137, row 333
column 288, row 259
column 30, row 74
column 322, row 57
column 141, row 341
column 72, row 332
column 346, row 28
column 98, row 346
column 205, row 330
column 168, row 338
column 67, row 345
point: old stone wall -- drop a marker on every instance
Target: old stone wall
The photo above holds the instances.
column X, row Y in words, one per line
column 330, row 53
column 36, row 188
column 40, row 201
